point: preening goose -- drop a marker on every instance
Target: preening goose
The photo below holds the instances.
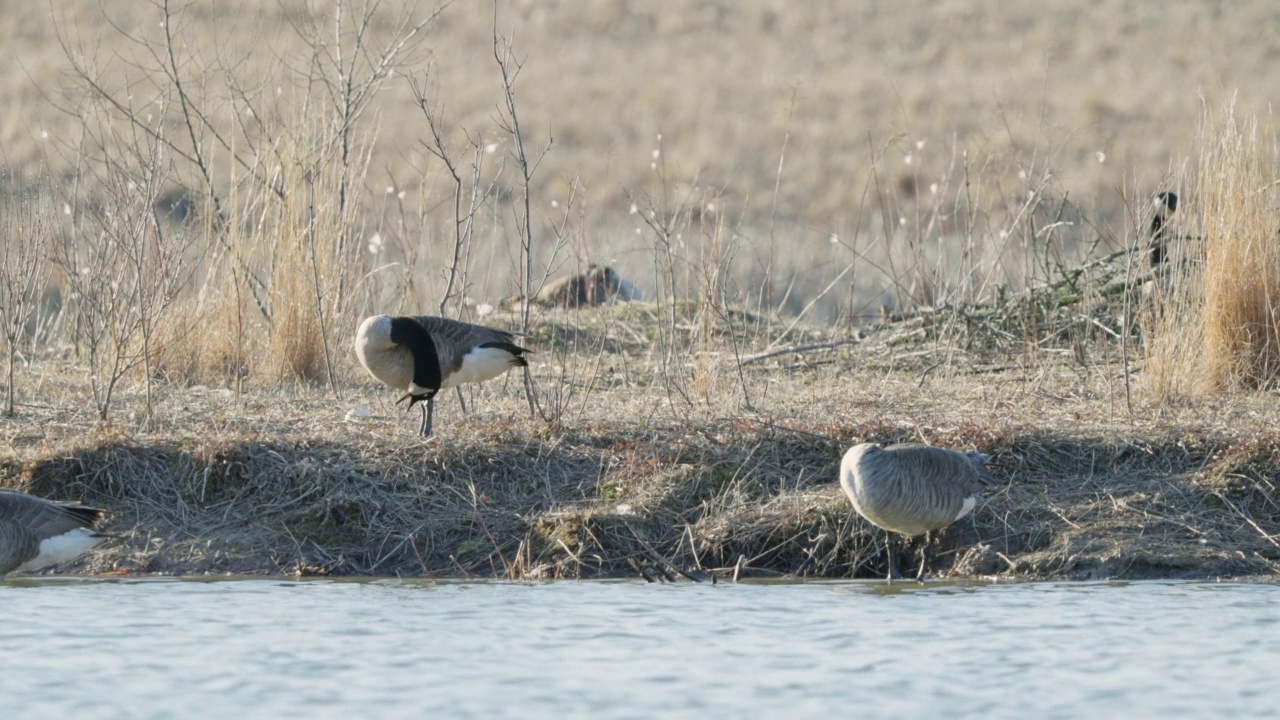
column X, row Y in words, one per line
column 1166, row 204
column 36, row 533
column 423, row 355
column 912, row 489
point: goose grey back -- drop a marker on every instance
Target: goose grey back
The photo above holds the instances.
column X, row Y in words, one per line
column 27, row 521
column 912, row 489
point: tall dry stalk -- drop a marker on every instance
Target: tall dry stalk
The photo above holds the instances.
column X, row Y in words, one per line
column 508, row 121
column 470, row 189
column 313, row 257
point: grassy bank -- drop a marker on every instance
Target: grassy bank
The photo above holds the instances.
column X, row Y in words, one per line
column 638, row 475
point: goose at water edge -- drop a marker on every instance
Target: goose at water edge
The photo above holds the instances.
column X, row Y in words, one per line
column 423, row 355
column 912, row 489
column 36, row 533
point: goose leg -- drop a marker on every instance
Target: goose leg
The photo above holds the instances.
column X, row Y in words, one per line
column 926, row 553
column 428, row 409
column 461, row 402
column 890, row 565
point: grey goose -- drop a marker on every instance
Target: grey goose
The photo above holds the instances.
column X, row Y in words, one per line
column 912, row 489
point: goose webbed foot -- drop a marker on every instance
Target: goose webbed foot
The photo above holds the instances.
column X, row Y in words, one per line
column 427, row 409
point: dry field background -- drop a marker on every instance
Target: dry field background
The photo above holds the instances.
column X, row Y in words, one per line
column 798, row 122
column 201, row 202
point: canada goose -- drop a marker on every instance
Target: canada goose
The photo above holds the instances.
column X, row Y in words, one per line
column 598, row 285
column 1166, row 204
column 911, row 489
column 36, row 533
column 422, row 355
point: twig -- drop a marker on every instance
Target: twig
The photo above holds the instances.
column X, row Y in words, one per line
column 748, row 360
column 644, row 572
column 654, row 554
column 1105, row 329
column 425, row 570
column 1243, row 515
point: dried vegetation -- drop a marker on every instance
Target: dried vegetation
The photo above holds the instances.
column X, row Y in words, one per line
column 634, row 478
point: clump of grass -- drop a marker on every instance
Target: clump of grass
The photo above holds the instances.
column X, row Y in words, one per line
column 1213, row 316
column 1241, row 313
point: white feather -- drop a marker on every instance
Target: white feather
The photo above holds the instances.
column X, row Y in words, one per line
column 967, row 508
column 479, row 365
column 61, row 548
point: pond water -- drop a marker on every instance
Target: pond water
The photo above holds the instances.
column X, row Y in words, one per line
column 390, row 649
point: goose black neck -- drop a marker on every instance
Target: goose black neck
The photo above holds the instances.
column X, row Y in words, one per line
column 1157, row 238
column 409, row 333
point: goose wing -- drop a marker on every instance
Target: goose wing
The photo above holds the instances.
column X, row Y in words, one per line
column 454, row 339
column 45, row 518
column 17, row 545
column 26, row 520
column 943, row 484
column 964, row 471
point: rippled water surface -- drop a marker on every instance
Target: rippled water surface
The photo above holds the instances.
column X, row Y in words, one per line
column 271, row 648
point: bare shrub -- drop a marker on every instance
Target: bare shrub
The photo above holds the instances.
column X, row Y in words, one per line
column 526, row 162
column 275, row 151
column 122, row 272
column 27, row 216
column 469, row 194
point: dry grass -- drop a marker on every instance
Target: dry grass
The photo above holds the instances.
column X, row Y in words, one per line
column 911, row 134
column 1241, row 315
column 1213, row 317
